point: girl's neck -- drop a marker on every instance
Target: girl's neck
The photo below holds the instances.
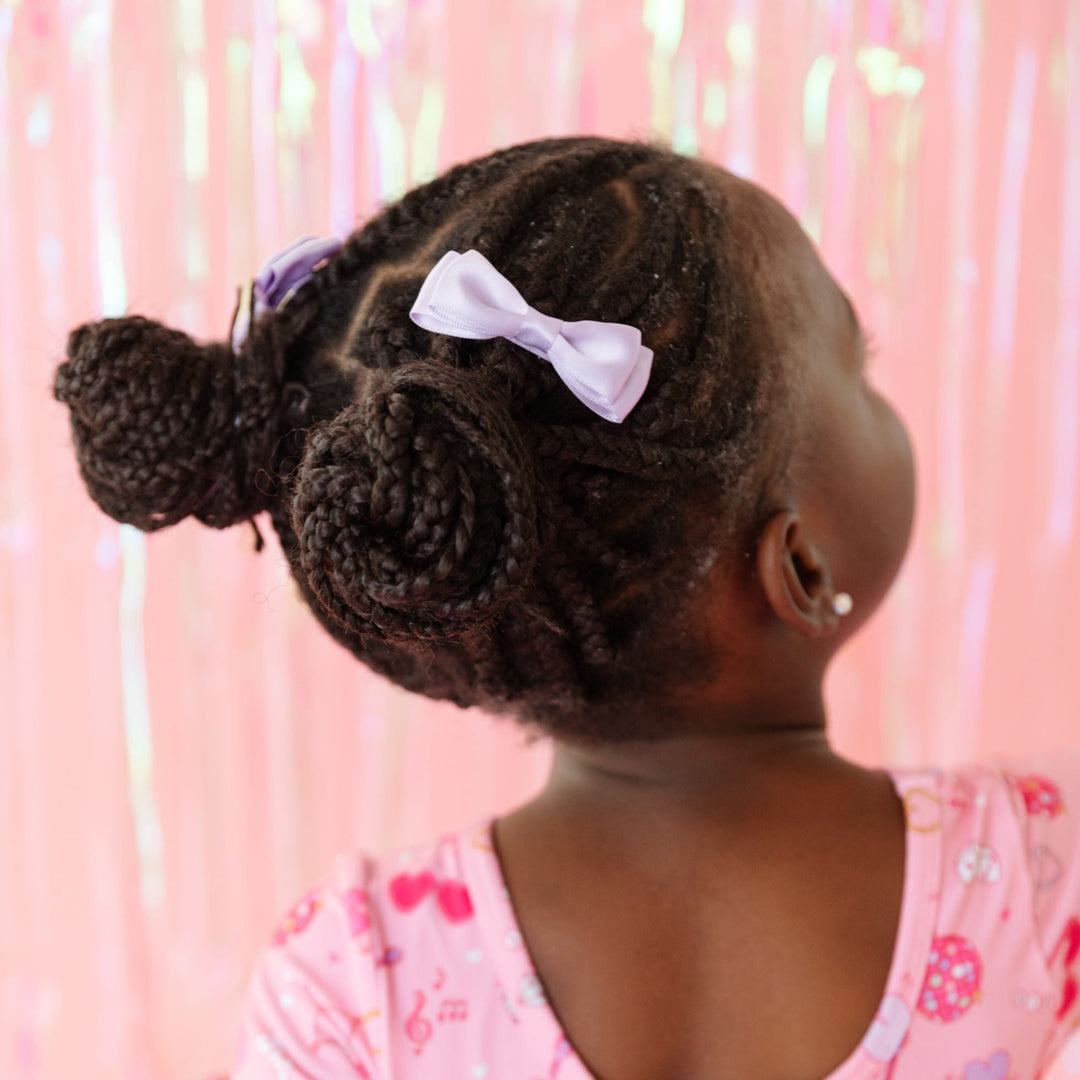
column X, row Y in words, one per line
column 718, row 746
column 692, row 773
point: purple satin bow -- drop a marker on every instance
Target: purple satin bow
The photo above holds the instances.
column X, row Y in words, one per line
column 603, row 363
column 279, row 277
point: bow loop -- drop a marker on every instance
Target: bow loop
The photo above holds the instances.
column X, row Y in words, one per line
column 603, row 364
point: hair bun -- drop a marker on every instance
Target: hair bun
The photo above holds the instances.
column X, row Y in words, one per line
column 160, row 427
column 414, row 509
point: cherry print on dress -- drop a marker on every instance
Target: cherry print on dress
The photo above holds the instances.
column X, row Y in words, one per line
column 953, row 978
column 1041, row 796
column 418, row 1028
column 999, row 1067
column 407, row 890
column 298, row 918
column 454, row 901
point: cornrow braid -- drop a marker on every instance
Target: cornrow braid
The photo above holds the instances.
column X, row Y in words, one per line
column 451, row 513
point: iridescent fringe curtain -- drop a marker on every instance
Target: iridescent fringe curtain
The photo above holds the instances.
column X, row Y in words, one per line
column 182, row 749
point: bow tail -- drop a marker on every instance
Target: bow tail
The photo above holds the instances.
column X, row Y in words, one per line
column 610, row 387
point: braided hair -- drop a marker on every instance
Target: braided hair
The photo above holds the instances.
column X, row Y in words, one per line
column 451, row 513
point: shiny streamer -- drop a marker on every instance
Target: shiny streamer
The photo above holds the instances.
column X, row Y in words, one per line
column 182, row 750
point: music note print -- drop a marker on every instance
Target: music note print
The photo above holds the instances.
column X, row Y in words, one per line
column 418, row 1028
column 451, row 1009
column 440, row 979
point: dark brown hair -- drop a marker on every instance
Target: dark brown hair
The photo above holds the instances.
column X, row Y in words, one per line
column 450, row 512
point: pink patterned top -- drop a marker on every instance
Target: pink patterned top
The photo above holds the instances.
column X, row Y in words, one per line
column 412, row 966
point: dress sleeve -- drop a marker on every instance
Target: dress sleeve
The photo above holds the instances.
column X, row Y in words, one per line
column 1045, row 795
column 1045, row 791
column 313, row 1007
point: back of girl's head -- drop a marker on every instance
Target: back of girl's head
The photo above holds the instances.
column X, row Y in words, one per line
column 453, row 515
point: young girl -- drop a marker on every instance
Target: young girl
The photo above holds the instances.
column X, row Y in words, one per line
column 579, row 432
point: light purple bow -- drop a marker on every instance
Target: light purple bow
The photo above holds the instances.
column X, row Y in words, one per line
column 603, row 363
column 279, row 277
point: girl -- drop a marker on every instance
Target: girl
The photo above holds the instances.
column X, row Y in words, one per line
column 579, row 432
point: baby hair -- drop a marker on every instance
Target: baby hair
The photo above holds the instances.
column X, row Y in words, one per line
column 450, row 512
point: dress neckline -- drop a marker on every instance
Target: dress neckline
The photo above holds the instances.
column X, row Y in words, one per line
column 919, row 791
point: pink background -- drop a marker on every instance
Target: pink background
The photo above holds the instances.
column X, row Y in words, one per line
column 182, row 749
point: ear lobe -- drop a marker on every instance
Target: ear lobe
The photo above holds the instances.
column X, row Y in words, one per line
column 795, row 576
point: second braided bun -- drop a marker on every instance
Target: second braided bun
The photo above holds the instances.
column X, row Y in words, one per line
column 415, row 508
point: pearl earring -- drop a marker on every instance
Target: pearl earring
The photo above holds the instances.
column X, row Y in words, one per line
column 842, row 604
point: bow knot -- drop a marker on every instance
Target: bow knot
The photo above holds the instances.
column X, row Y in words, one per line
column 538, row 332
column 604, row 364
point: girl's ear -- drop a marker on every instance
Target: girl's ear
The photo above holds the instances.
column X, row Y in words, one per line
column 794, row 574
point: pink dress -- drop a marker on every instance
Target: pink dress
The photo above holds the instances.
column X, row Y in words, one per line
column 412, row 967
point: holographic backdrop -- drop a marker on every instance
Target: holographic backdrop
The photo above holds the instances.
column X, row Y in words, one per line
column 182, row 749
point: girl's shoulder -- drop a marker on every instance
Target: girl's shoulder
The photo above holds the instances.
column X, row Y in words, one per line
column 447, row 881
column 403, row 934
column 1011, row 821
column 1019, row 816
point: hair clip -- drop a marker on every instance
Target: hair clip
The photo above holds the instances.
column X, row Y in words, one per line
column 278, row 278
column 603, row 363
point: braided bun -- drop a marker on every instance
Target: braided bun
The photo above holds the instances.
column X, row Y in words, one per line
column 414, row 508
column 162, row 429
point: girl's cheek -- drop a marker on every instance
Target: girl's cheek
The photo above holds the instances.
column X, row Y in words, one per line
column 903, row 478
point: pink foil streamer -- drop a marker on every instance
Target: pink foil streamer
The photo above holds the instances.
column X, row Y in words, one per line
column 953, row 217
